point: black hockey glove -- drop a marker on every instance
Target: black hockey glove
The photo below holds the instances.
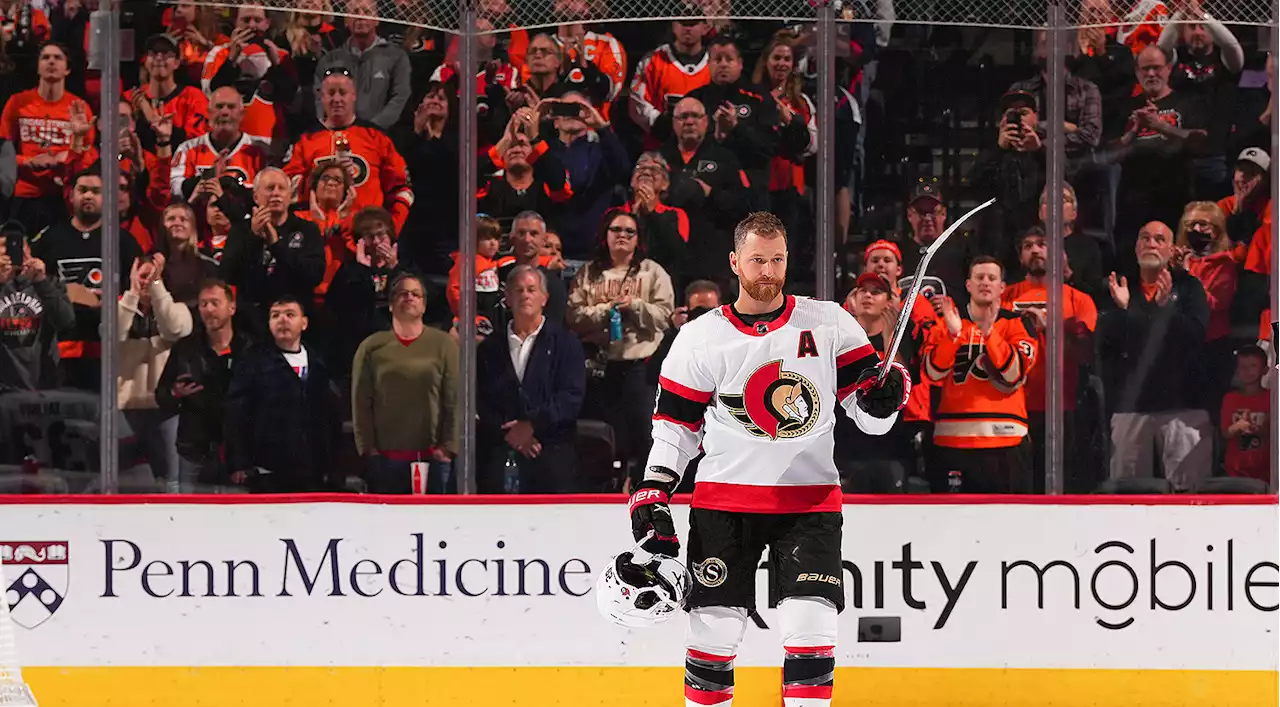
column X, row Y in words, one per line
column 883, row 400
column 650, row 512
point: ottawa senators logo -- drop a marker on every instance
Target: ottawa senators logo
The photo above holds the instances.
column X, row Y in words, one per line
column 775, row 403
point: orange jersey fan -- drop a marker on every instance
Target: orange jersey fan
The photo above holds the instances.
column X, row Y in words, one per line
column 188, row 106
column 36, row 127
column 244, row 160
column 983, row 405
column 1081, row 319
column 260, row 112
column 659, row 75
column 381, row 177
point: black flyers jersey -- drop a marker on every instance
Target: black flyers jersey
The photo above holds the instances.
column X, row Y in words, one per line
column 74, row 257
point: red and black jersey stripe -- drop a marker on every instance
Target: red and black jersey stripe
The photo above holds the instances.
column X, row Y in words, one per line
column 850, row 365
column 680, row 404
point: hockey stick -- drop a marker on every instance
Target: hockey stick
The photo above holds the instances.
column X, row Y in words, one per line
column 908, row 302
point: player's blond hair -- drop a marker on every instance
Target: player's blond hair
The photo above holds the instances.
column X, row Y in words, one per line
column 761, row 223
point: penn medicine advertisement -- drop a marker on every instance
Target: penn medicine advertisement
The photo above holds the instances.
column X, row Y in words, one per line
column 1167, row 587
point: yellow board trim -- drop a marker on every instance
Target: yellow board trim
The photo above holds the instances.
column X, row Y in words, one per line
column 636, row 687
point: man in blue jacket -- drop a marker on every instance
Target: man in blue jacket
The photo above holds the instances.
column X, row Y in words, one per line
column 532, row 378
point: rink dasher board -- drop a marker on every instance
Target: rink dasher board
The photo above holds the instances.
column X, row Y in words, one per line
column 208, row 581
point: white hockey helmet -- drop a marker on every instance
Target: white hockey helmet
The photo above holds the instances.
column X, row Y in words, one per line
column 639, row 590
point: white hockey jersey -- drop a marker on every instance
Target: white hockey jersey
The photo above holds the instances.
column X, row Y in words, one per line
column 761, row 401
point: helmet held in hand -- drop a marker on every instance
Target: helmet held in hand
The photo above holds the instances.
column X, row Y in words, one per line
column 639, row 590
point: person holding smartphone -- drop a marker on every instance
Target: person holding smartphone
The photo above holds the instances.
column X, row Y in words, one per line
column 32, row 304
column 262, row 72
column 194, row 385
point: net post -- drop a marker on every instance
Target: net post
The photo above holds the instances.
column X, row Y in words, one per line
column 465, row 462
column 1273, row 45
column 824, row 241
column 1055, row 93
column 105, row 29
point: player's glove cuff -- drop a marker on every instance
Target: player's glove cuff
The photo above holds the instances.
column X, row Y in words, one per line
column 650, row 512
column 646, row 496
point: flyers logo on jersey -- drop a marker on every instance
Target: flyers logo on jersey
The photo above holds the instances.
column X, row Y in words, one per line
column 359, row 167
column 775, row 403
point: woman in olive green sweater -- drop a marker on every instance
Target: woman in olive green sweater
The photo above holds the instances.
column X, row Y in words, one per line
column 404, row 386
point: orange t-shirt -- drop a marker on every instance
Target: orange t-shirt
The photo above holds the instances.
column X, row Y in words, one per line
column 1078, row 310
column 37, row 126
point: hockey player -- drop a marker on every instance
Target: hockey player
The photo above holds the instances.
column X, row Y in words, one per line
column 756, row 384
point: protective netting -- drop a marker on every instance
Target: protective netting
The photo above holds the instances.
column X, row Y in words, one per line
column 505, row 15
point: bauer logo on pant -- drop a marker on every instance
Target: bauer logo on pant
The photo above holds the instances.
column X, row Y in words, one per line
column 775, row 403
column 38, row 575
column 711, row 572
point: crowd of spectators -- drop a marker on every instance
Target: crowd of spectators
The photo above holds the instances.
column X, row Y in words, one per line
column 291, row 278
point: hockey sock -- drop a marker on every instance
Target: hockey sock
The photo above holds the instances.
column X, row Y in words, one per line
column 708, row 679
column 714, row 635
column 809, row 637
column 808, row 676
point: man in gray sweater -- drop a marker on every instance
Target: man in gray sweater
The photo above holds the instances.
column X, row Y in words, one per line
column 380, row 69
column 33, row 308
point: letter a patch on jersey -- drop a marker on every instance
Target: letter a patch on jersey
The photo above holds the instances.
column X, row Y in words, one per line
column 808, row 347
column 775, row 403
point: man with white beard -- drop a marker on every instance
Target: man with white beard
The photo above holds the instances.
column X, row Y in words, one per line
column 1149, row 348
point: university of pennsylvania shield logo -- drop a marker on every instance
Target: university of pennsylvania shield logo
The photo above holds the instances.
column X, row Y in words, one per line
column 37, row 573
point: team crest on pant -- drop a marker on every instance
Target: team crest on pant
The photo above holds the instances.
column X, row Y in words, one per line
column 38, row 574
column 775, row 403
column 711, row 572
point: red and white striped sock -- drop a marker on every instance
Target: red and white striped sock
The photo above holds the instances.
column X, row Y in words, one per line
column 808, row 676
column 708, row 679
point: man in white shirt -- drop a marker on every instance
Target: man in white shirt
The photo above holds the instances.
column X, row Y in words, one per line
column 531, row 384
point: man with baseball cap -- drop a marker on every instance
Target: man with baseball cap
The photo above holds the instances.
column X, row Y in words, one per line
column 161, row 95
column 1249, row 212
column 927, row 216
column 876, row 464
column 884, row 258
column 1082, row 130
